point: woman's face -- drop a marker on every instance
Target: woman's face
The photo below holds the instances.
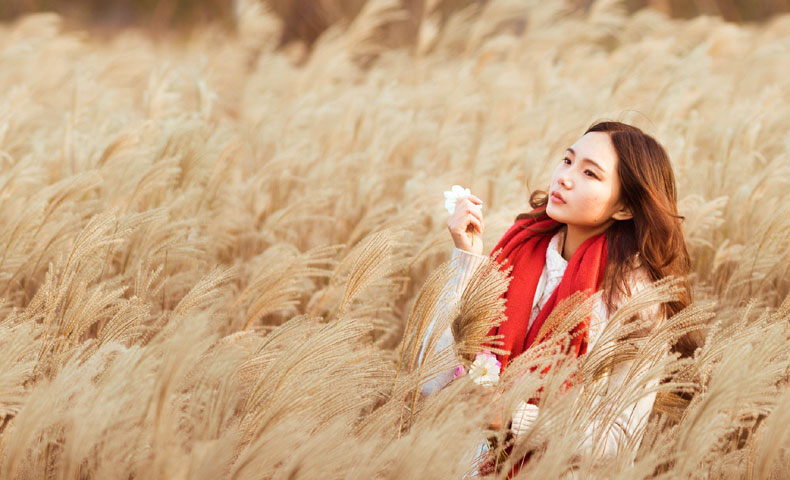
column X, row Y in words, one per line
column 586, row 179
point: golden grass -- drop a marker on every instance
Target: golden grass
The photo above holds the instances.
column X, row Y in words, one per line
column 216, row 263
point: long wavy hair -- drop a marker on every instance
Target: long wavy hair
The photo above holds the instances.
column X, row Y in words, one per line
column 654, row 231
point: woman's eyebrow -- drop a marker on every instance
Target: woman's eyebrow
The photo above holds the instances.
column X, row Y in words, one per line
column 588, row 160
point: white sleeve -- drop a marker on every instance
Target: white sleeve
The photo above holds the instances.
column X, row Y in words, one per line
column 628, row 424
column 465, row 263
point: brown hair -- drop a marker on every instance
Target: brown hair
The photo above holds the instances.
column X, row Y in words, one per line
column 648, row 190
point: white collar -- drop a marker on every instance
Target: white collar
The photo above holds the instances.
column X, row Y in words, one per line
column 555, row 264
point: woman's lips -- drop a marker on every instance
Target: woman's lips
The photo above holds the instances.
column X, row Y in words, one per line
column 557, row 198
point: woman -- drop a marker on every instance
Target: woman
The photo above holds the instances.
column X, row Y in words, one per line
column 608, row 222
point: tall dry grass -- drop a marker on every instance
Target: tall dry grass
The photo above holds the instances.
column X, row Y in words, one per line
column 218, row 264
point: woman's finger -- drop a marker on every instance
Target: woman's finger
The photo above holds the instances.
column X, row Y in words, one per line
column 475, row 199
column 473, row 202
column 477, row 223
column 469, row 207
column 475, row 210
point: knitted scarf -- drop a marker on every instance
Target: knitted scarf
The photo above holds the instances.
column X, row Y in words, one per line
column 525, row 249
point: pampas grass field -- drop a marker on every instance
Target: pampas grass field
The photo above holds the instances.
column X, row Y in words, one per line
column 220, row 256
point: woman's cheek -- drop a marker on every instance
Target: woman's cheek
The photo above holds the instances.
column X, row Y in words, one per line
column 593, row 207
column 602, row 208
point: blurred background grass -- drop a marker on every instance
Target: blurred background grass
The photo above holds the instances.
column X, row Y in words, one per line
column 305, row 20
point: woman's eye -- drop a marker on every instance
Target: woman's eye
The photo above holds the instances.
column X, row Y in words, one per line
column 591, row 174
column 566, row 158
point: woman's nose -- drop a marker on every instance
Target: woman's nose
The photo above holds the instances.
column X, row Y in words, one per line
column 565, row 181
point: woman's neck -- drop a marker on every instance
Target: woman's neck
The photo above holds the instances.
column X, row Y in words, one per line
column 575, row 236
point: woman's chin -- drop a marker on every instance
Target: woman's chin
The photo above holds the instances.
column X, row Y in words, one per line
column 553, row 214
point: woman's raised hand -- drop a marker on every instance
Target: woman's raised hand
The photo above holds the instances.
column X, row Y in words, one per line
column 467, row 222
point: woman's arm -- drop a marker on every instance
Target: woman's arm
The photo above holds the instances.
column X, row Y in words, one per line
column 630, row 421
column 465, row 263
column 628, row 424
column 465, row 224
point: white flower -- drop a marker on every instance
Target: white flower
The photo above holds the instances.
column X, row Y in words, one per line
column 452, row 196
column 485, row 369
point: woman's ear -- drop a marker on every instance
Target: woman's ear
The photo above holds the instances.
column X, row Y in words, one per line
column 622, row 213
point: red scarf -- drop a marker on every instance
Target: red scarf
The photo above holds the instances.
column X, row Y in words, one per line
column 525, row 250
